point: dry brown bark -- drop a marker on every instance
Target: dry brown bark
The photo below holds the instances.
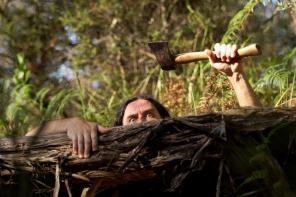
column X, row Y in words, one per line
column 235, row 146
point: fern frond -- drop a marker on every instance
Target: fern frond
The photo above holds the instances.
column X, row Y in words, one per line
column 238, row 21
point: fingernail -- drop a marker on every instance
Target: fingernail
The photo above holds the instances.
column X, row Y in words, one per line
column 86, row 156
column 80, row 156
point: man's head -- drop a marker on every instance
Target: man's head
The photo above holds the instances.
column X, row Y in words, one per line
column 140, row 109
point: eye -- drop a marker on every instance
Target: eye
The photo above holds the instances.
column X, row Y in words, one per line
column 149, row 116
column 132, row 120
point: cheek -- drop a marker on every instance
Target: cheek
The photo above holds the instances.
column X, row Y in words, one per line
column 151, row 118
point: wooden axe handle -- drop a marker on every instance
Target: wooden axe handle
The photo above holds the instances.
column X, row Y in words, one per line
column 250, row 50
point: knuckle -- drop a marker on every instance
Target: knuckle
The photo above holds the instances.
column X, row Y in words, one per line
column 217, row 46
column 85, row 132
column 87, row 140
column 94, row 127
column 73, row 137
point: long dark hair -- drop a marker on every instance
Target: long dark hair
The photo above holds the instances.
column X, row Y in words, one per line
column 163, row 112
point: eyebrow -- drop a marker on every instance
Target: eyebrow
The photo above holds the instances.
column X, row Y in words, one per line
column 131, row 116
column 145, row 112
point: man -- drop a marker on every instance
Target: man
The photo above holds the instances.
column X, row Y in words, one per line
column 84, row 134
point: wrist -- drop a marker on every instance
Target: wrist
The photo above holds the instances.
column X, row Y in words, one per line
column 236, row 78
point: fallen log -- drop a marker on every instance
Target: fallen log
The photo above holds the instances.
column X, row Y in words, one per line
column 249, row 152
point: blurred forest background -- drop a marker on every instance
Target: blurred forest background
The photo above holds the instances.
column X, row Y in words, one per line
column 62, row 58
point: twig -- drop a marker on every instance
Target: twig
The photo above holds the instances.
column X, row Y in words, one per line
column 230, row 179
column 77, row 176
column 43, row 184
column 68, row 188
column 198, row 153
column 57, row 181
column 218, row 187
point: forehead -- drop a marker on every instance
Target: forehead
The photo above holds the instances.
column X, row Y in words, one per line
column 139, row 104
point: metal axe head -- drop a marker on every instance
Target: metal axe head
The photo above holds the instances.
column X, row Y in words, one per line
column 163, row 55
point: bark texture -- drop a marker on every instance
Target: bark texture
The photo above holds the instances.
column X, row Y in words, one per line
column 240, row 152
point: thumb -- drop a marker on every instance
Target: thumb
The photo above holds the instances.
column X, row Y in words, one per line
column 103, row 130
column 235, row 67
column 212, row 57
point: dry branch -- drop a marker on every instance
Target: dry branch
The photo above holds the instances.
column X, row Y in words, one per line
column 233, row 148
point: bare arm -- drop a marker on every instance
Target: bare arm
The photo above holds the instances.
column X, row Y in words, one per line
column 55, row 126
column 244, row 92
column 225, row 59
column 84, row 134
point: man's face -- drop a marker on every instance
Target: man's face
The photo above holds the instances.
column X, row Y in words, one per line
column 139, row 111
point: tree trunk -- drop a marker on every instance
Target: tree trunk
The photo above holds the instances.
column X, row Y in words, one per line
column 247, row 152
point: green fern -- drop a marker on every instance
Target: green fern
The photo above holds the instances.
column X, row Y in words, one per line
column 17, row 91
column 278, row 80
column 238, row 21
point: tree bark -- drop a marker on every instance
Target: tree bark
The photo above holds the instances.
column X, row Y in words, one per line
column 244, row 151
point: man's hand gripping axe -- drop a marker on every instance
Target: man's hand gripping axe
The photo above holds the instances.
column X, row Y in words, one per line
column 168, row 61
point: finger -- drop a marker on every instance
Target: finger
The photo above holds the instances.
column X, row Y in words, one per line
column 228, row 53
column 80, row 145
column 223, row 52
column 94, row 138
column 87, row 145
column 211, row 56
column 75, row 144
column 102, row 130
column 217, row 50
column 234, row 49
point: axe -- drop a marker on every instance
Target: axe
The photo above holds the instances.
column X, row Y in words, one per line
column 168, row 61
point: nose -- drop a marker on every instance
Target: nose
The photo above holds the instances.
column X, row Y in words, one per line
column 141, row 119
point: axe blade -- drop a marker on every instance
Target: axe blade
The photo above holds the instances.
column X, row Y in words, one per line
column 163, row 55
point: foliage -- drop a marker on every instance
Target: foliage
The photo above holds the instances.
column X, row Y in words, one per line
column 84, row 58
column 64, row 58
column 21, row 107
column 278, row 82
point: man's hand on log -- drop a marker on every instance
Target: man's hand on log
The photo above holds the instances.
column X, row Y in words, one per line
column 84, row 136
